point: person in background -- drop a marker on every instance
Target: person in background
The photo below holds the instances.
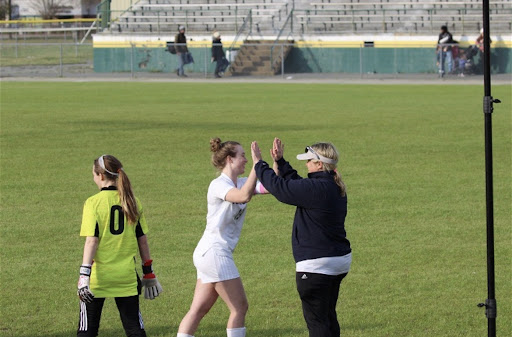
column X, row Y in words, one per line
column 180, row 43
column 479, row 42
column 471, row 65
column 217, row 274
column 320, row 246
column 444, row 50
column 218, row 55
column 115, row 228
column 462, row 61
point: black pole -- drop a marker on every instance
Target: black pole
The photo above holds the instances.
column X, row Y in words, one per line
column 490, row 302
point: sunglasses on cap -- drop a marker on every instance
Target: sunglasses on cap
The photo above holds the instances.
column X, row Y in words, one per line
column 310, row 154
column 310, row 149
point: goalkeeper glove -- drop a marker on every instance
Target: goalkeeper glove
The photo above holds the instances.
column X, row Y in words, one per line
column 84, row 292
column 152, row 287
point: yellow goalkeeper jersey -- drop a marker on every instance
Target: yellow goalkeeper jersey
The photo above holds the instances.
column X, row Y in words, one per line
column 113, row 270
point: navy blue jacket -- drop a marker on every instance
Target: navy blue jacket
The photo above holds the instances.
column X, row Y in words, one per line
column 319, row 224
column 217, row 51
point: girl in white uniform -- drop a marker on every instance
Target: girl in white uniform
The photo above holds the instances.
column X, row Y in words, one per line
column 217, row 274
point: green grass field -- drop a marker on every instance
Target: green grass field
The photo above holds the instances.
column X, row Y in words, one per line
column 32, row 53
column 412, row 158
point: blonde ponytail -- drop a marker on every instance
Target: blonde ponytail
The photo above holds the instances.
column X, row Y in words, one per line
column 328, row 150
column 340, row 183
column 127, row 197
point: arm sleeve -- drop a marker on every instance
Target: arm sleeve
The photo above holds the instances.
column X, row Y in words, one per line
column 219, row 188
column 260, row 189
column 89, row 221
column 286, row 171
column 297, row 192
column 142, row 226
column 444, row 39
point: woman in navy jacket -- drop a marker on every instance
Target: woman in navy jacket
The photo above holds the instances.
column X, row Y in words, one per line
column 321, row 250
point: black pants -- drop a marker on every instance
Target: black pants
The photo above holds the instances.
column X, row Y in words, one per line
column 221, row 65
column 319, row 295
column 90, row 315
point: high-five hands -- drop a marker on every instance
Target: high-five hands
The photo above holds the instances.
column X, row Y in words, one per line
column 255, row 152
column 276, row 152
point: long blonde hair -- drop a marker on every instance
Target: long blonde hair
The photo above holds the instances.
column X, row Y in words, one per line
column 328, row 150
column 113, row 170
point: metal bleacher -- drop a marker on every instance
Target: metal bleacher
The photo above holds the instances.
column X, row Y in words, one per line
column 200, row 16
column 312, row 16
column 412, row 17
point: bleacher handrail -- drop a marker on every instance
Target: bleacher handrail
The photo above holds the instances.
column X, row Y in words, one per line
column 248, row 19
column 289, row 18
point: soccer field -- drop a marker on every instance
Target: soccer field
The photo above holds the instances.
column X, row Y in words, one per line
column 412, row 158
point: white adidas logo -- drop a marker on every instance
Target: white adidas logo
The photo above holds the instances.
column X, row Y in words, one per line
column 304, row 277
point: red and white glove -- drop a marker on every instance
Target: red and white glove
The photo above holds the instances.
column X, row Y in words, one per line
column 84, row 292
column 152, row 287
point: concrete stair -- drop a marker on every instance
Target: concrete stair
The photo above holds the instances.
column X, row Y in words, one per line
column 254, row 58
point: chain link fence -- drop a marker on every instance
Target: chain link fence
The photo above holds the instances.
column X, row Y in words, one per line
column 39, row 59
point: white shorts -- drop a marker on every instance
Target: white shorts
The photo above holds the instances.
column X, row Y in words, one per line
column 215, row 266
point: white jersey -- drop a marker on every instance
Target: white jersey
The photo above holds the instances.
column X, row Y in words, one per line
column 225, row 219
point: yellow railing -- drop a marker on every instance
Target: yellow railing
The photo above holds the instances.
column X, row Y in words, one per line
column 31, row 22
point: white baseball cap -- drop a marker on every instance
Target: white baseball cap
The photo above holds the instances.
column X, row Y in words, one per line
column 310, row 154
column 181, row 28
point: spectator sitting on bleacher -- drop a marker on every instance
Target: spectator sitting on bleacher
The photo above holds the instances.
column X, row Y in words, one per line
column 462, row 61
column 444, row 50
column 180, row 42
column 471, row 65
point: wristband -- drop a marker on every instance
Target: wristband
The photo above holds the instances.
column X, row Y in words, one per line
column 147, row 267
column 85, row 269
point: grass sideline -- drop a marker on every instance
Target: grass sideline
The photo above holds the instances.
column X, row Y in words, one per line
column 411, row 156
column 32, row 53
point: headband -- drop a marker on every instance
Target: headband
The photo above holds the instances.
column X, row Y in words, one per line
column 102, row 165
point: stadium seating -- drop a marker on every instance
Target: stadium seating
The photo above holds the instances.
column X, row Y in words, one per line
column 413, row 16
column 199, row 16
column 313, row 16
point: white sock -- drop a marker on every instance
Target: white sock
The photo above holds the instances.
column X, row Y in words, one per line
column 236, row 332
column 183, row 335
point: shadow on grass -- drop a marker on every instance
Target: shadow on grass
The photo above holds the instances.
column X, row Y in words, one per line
column 210, row 330
column 219, row 330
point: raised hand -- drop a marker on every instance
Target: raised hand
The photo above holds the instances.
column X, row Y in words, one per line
column 255, row 152
column 277, row 149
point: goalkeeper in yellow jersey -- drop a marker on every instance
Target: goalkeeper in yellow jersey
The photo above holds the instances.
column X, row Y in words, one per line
column 115, row 228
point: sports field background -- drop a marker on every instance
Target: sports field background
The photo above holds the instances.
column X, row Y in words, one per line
column 412, row 158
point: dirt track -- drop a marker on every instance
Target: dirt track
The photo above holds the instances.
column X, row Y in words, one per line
column 85, row 73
